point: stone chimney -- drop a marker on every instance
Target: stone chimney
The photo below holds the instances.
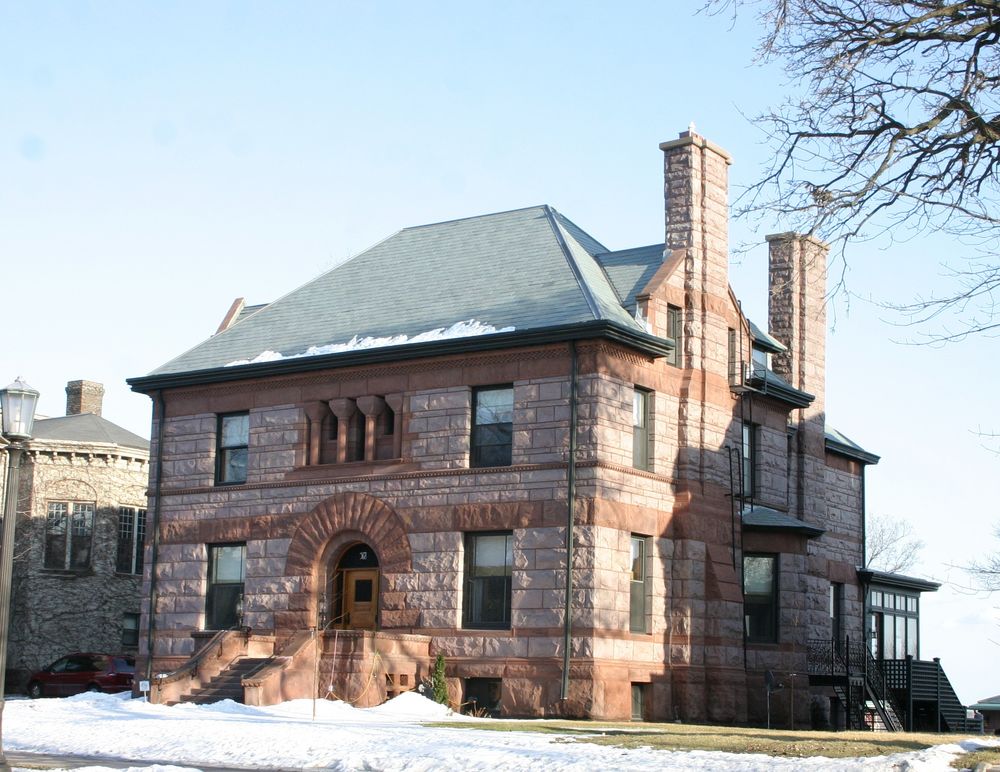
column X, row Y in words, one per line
column 84, row 397
column 696, row 189
column 797, row 317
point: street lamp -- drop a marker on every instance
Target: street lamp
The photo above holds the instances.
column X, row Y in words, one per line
column 17, row 405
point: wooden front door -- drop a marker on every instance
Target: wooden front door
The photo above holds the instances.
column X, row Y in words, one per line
column 360, row 598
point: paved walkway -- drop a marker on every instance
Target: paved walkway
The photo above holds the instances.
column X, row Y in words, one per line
column 54, row 761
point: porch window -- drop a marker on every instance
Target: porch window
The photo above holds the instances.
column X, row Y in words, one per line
column 226, row 574
column 492, row 426
column 488, row 561
column 760, row 598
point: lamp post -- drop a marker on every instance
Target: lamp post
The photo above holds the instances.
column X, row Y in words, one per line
column 17, row 404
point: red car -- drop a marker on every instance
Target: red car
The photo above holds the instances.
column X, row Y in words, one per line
column 77, row 673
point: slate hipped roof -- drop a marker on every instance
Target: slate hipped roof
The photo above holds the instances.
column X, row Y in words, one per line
column 87, row 428
column 530, row 269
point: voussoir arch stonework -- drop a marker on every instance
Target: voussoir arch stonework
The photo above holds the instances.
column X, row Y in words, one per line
column 370, row 518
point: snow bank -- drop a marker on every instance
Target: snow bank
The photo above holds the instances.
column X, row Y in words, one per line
column 391, row 738
column 464, row 329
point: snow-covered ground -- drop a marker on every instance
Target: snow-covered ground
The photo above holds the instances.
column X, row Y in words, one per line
column 392, row 736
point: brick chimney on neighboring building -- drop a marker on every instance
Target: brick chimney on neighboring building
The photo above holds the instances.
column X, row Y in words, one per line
column 84, row 397
column 797, row 317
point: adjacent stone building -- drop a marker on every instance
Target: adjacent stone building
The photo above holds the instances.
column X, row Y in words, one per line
column 580, row 474
column 80, row 532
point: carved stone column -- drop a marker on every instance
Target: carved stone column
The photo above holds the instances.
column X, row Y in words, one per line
column 344, row 409
column 372, row 407
column 315, row 412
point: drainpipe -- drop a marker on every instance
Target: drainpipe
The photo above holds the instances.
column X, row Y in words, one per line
column 864, row 520
column 570, row 506
column 155, row 527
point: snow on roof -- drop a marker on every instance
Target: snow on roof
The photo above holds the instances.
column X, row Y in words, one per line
column 464, row 329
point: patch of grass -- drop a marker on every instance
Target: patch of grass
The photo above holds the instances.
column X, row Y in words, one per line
column 690, row 737
column 988, row 756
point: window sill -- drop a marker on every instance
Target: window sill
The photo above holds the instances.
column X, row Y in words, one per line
column 351, row 469
column 69, row 573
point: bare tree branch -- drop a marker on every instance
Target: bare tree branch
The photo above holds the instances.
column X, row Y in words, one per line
column 890, row 545
column 896, row 126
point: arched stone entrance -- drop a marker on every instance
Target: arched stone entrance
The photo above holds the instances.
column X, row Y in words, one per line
column 326, row 535
column 352, row 589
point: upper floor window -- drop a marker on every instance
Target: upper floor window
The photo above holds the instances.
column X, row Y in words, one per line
column 749, row 460
column 761, row 361
column 675, row 330
column 638, row 586
column 233, row 446
column 488, row 561
column 640, row 427
column 69, row 534
column 131, row 536
column 760, row 598
column 733, row 357
column 492, row 426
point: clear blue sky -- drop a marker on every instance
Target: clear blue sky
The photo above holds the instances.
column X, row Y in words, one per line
column 158, row 160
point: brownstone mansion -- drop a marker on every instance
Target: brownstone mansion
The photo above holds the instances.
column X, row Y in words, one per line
column 580, row 475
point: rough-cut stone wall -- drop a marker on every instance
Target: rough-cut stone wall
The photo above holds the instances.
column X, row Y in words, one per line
column 298, row 518
column 54, row 611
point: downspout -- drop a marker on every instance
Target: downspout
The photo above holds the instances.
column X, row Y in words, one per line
column 570, row 506
column 155, row 527
column 864, row 520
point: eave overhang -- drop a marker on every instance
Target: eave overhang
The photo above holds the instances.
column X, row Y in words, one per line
column 769, row 385
column 851, row 451
column 767, row 520
column 898, row 581
column 648, row 344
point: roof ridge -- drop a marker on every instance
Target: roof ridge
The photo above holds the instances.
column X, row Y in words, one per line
column 588, row 295
column 471, row 217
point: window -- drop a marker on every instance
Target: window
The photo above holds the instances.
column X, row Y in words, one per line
column 130, row 630
column 761, row 362
column 69, row 533
column 734, row 372
column 226, row 572
column 760, row 598
column 131, row 536
column 893, row 624
column 675, row 330
column 234, row 441
column 640, row 427
column 638, row 586
column 836, row 609
column 482, row 696
column 488, row 561
column 492, row 426
column 749, row 456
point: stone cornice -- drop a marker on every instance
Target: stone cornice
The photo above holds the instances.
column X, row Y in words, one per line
column 414, row 475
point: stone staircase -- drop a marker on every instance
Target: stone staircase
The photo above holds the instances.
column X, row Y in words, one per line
column 227, row 685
